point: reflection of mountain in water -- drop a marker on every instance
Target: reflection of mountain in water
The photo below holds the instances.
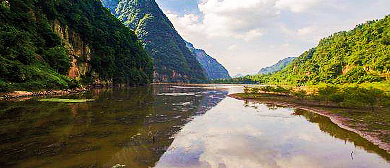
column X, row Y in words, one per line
column 327, row 126
column 173, row 108
column 128, row 126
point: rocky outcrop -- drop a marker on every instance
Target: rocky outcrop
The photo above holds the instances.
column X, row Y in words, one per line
column 213, row 68
column 78, row 50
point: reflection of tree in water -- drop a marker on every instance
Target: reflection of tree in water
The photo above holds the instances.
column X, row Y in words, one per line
column 327, row 126
column 127, row 126
column 270, row 106
column 46, row 134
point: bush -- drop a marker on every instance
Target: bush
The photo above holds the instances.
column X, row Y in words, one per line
column 4, row 86
column 255, row 90
column 279, row 89
column 58, row 58
column 361, row 97
column 300, row 94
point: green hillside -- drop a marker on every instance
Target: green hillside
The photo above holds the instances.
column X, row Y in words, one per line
column 361, row 55
column 173, row 61
column 58, row 44
column 356, row 56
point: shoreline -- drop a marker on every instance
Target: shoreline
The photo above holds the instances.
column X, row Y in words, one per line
column 18, row 95
column 340, row 121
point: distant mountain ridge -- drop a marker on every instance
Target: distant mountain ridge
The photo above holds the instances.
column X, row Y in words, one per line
column 276, row 67
column 173, row 61
column 238, row 75
column 213, row 68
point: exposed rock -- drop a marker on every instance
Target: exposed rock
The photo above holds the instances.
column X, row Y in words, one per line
column 78, row 50
column 173, row 61
column 213, row 68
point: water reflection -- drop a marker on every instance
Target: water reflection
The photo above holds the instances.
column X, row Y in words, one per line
column 234, row 135
column 129, row 127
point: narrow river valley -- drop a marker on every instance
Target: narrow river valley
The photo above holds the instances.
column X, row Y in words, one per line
column 171, row 126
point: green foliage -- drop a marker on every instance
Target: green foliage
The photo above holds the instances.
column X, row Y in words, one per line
column 279, row 89
column 347, row 95
column 301, row 94
column 360, row 97
column 33, row 56
column 357, row 56
column 173, row 61
column 58, row 59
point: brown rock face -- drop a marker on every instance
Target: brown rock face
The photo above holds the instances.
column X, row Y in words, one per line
column 78, row 50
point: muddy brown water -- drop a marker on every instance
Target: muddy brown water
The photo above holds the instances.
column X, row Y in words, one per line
column 168, row 126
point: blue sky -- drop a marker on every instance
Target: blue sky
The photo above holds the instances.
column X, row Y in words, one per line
column 247, row 35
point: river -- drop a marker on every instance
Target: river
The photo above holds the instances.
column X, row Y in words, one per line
column 169, row 126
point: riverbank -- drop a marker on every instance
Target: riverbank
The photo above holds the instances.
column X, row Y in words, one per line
column 372, row 125
column 21, row 95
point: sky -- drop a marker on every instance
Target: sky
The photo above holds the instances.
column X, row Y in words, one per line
column 247, row 35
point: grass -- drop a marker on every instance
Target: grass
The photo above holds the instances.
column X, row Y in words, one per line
column 67, row 100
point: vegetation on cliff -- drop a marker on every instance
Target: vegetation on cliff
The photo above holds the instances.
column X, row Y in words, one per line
column 173, row 61
column 34, row 57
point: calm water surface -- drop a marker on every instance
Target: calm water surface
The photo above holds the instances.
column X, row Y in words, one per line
column 168, row 126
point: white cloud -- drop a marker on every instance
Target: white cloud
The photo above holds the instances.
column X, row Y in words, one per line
column 260, row 29
column 228, row 18
column 296, row 6
column 244, row 19
column 305, row 31
column 232, row 47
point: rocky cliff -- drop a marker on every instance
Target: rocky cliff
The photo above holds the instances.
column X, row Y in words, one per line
column 77, row 50
column 62, row 44
column 173, row 61
column 213, row 68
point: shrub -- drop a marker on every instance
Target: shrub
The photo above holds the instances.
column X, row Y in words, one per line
column 361, row 97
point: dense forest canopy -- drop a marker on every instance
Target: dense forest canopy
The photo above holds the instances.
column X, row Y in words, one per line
column 33, row 56
column 357, row 56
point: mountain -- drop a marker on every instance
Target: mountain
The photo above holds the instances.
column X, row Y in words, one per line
column 238, row 76
column 173, row 61
column 213, row 68
column 277, row 67
column 356, row 56
column 57, row 44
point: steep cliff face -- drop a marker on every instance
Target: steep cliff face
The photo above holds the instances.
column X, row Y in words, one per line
column 276, row 67
column 61, row 44
column 213, row 68
column 173, row 61
column 77, row 49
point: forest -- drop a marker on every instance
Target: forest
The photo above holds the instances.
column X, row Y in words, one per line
column 173, row 61
column 33, row 56
column 357, row 56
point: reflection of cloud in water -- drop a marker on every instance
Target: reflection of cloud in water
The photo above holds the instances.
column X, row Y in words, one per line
column 232, row 136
